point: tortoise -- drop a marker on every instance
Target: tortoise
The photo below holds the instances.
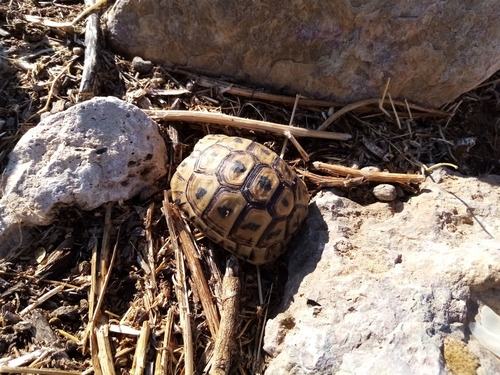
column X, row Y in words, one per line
column 241, row 195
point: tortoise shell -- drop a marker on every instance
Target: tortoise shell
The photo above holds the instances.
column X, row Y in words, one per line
column 241, row 195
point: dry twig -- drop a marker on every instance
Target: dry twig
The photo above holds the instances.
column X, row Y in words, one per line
column 52, row 86
column 181, row 290
column 255, row 125
column 230, row 304
column 226, row 87
column 297, row 145
column 38, row 279
column 200, row 282
column 139, row 362
column 92, row 44
column 163, row 355
column 104, row 352
column 42, row 299
column 29, row 370
column 339, row 170
column 150, row 261
column 287, row 134
column 49, row 23
column 215, row 275
column 328, row 181
column 97, row 330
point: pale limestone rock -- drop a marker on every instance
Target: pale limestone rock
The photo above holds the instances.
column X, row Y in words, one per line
column 377, row 289
column 341, row 50
column 98, row 151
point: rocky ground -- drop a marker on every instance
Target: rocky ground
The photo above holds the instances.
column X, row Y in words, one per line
column 389, row 288
column 40, row 73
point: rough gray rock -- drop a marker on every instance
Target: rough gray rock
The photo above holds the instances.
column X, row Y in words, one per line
column 341, row 50
column 377, row 289
column 98, row 151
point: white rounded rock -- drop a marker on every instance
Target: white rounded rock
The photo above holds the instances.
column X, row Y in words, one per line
column 98, row 151
column 385, row 192
column 370, row 168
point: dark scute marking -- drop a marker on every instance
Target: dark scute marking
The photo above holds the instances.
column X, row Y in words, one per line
column 238, row 167
column 238, row 140
column 177, row 201
column 224, row 211
column 266, row 151
column 200, row 193
column 265, row 183
column 285, row 202
column 183, row 164
column 251, row 226
column 273, row 234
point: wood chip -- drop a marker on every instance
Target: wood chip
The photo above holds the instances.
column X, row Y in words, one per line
column 139, row 363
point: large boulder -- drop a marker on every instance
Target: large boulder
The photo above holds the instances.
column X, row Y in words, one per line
column 391, row 287
column 95, row 152
column 340, row 50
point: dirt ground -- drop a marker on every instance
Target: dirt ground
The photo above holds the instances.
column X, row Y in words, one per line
column 40, row 72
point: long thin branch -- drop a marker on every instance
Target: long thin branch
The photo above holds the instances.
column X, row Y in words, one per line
column 181, row 290
column 199, row 280
column 243, row 123
column 49, row 23
column 340, row 170
column 226, row 87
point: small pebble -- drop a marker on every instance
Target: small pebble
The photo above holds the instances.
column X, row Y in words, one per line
column 142, row 66
column 77, row 51
column 385, row 192
column 370, row 169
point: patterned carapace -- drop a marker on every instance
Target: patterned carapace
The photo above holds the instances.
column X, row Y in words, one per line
column 241, row 195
